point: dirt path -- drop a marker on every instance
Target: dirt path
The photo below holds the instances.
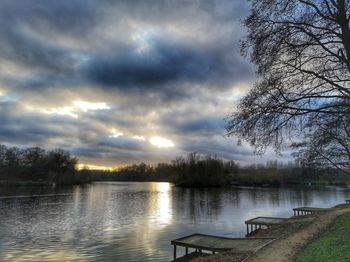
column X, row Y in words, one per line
column 287, row 249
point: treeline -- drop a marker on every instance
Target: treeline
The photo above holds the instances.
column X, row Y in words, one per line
column 194, row 170
column 275, row 173
column 206, row 171
column 37, row 166
column 162, row 172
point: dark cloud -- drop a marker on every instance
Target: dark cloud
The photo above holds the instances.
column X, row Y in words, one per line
column 204, row 126
column 122, row 142
column 163, row 68
column 20, row 128
column 219, row 146
column 60, row 42
column 161, row 63
column 29, row 30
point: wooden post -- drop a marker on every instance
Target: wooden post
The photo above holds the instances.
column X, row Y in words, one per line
column 247, row 229
column 186, row 250
column 174, row 252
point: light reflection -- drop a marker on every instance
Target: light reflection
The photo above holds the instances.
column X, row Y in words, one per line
column 163, row 207
column 159, row 217
column 46, row 255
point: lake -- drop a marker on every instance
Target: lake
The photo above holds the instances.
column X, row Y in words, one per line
column 131, row 221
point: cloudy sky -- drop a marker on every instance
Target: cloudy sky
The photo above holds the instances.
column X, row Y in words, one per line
column 118, row 82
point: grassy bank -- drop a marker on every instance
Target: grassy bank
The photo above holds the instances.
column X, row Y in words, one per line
column 334, row 245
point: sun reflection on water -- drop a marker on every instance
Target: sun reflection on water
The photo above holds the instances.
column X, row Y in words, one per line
column 163, row 208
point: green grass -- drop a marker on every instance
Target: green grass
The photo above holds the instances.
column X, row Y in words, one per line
column 333, row 246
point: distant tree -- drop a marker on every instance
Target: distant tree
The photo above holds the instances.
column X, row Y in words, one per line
column 301, row 49
column 198, row 171
column 2, row 159
column 61, row 161
column 12, row 161
column 35, row 162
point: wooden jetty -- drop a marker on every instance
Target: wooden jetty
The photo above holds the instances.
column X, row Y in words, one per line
column 214, row 244
column 347, row 201
column 260, row 222
column 303, row 211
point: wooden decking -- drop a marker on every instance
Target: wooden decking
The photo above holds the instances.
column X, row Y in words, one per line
column 259, row 222
column 214, row 244
column 303, row 211
column 242, row 246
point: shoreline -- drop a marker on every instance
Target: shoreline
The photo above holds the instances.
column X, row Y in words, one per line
column 23, row 183
column 291, row 240
column 289, row 248
column 28, row 183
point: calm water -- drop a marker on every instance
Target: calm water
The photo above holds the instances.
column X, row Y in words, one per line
column 134, row 221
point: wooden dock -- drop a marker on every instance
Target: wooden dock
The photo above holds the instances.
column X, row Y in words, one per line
column 263, row 222
column 201, row 242
column 303, row 211
column 242, row 246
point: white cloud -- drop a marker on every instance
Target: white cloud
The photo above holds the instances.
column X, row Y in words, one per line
column 161, row 142
column 85, row 106
column 78, row 107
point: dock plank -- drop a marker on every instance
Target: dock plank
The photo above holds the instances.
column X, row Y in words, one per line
column 307, row 210
column 266, row 220
column 215, row 243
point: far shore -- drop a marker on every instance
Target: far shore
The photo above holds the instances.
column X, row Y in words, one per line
column 30, row 183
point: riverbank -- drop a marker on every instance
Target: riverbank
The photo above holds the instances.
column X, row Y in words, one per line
column 8, row 183
column 29, row 183
column 331, row 246
column 296, row 238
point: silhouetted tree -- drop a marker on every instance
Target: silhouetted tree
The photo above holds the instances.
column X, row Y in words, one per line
column 330, row 143
column 201, row 171
column 301, row 49
column 35, row 164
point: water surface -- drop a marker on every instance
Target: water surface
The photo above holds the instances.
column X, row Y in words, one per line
column 125, row 221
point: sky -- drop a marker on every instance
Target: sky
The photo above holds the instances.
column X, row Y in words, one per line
column 121, row 82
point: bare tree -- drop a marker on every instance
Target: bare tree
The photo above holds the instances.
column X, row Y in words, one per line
column 329, row 144
column 301, row 49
